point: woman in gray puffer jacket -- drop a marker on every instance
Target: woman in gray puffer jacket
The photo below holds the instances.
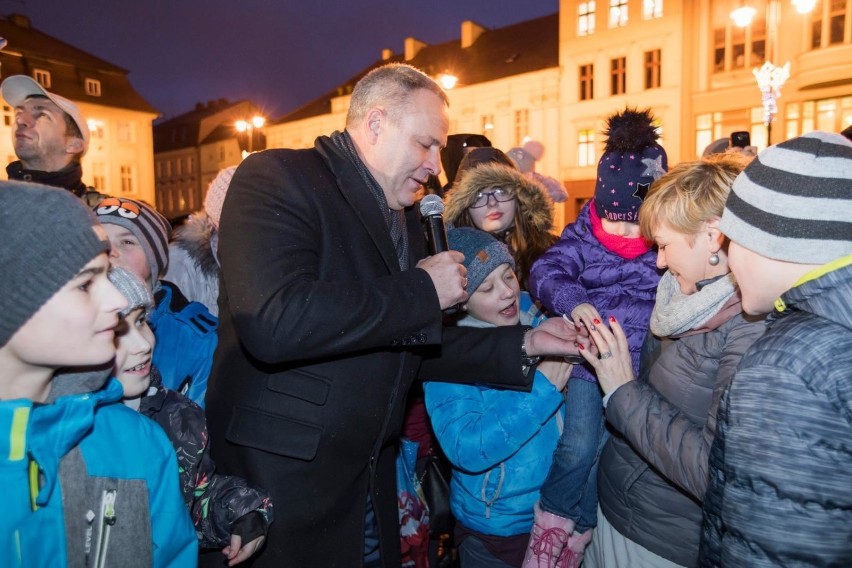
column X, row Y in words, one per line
column 653, row 471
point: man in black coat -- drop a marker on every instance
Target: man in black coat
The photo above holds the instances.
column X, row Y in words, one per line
column 330, row 308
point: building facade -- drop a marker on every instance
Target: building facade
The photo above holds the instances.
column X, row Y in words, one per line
column 119, row 160
column 190, row 149
column 555, row 79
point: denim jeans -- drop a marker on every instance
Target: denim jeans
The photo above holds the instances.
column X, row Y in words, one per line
column 571, row 487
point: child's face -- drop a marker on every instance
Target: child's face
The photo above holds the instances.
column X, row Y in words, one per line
column 624, row 229
column 76, row 326
column 134, row 347
column 127, row 252
column 495, row 216
column 496, row 299
column 761, row 280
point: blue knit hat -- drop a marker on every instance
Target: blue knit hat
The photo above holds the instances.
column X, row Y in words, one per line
column 482, row 254
column 632, row 161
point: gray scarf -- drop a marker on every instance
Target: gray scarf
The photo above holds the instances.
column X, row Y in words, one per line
column 395, row 220
column 676, row 313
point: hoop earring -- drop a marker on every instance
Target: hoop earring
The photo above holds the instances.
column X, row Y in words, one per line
column 714, row 259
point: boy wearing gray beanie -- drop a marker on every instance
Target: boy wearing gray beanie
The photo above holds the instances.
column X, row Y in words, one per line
column 781, row 463
column 84, row 480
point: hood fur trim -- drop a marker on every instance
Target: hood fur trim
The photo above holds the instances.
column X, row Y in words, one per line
column 531, row 195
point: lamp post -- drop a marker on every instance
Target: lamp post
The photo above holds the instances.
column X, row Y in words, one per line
column 247, row 128
column 770, row 77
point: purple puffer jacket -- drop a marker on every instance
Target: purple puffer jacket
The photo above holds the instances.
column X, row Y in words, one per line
column 579, row 269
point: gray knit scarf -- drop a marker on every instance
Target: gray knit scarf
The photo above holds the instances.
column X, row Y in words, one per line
column 676, row 313
column 395, row 220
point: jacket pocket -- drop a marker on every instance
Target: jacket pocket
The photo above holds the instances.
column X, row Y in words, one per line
column 273, row 433
column 299, row 384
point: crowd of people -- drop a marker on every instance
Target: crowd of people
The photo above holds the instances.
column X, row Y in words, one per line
column 668, row 382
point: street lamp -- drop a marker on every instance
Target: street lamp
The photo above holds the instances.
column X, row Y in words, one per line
column 770, row 77
column 247, row 128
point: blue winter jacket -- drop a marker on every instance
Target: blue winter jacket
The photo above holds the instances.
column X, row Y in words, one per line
column 186, row 339
column 501, row 446
column 87, row 480
column 578, row 269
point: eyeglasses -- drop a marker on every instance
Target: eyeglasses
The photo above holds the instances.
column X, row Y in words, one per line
column 484, row 197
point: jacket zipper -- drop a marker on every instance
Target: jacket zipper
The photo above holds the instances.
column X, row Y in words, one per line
column 107, row 517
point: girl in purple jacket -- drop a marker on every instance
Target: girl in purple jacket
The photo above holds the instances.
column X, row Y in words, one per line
column 600, row 265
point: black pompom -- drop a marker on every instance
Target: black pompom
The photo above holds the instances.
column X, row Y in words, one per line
column 630, row 130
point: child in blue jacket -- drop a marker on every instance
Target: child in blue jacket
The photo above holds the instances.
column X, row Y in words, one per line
column 500, row 442
column 86, row 481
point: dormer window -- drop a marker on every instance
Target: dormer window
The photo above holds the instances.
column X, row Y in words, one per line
column 93, row 87
column 42, row 77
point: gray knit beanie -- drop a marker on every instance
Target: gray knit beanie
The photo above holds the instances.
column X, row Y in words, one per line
column 147, row 225
column 482, row 254
column 133, row 289
column 47, row 235
column 794, row 201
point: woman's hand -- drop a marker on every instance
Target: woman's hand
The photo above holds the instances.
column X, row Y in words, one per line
column 237, row 553
column 586, row 315
column 614, row 366
column 556, row 371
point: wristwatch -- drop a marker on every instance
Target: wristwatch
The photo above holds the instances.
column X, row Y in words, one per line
column 527, row 362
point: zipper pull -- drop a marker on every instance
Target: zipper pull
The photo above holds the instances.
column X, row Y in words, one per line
column 109, row 507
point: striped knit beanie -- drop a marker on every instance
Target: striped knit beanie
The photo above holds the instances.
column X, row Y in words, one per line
column 47, row 235
column 794, row 201
column 146, row 224
column 133, row 290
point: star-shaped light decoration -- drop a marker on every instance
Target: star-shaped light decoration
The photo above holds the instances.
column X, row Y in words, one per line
column 653, row 168
column 641, row 190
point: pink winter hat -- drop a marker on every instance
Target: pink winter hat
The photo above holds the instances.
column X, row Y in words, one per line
column 216, row 195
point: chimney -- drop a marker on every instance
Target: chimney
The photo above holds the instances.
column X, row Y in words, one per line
column 412, row 48
column 20, row 20
column 470, row 32
column 387, row 54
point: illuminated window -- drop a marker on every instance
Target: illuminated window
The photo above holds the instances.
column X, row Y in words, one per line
column 42, row 77
column 652, row 9
column 128, row 184
column 586, row 148
column 97, row 129
column 836, row 21
column 652, row 69
column 93, row 87
column 189, row 164
column 126, row 133
column 8, row 115
column 618, row 75
column 586, row 18
column 617, row 13
column 587, row 82
column 486, row 124
column 522, row 125
column 99, row 176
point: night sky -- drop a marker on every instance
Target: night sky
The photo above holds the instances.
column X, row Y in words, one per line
column 279, row 53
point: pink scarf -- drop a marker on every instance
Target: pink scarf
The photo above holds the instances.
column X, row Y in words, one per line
column 622, row 246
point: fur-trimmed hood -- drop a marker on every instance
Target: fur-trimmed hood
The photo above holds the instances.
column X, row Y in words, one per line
column 531, row 195
column 195, row 237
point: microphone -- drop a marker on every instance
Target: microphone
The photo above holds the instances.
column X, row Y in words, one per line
column 432, row 210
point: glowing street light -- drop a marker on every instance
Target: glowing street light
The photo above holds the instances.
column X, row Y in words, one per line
column 743, row 16
column 447, row 81
column 247, row 127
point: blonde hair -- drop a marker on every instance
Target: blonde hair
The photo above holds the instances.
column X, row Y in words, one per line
column 690, row 194
column 389, row 86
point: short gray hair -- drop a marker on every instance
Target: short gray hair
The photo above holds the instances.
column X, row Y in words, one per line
column 389, row 86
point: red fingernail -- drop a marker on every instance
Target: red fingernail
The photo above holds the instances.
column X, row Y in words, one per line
column 597, row 321
column 581, row 346
column 611, row 319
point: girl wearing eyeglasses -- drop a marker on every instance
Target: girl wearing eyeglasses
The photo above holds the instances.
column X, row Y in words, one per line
column 490, row 194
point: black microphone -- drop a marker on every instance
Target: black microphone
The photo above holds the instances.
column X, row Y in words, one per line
column 432, row 210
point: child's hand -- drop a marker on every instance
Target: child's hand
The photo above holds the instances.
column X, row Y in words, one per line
column 236, row 553
column 585, row 315
column 556, row 371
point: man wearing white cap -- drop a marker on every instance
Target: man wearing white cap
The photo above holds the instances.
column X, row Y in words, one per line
column 50, row 136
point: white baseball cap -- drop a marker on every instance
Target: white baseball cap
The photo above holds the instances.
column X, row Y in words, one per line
column 18, row 88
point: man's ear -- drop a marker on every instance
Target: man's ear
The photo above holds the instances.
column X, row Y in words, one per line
column 74, row 145
column 374, row 123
